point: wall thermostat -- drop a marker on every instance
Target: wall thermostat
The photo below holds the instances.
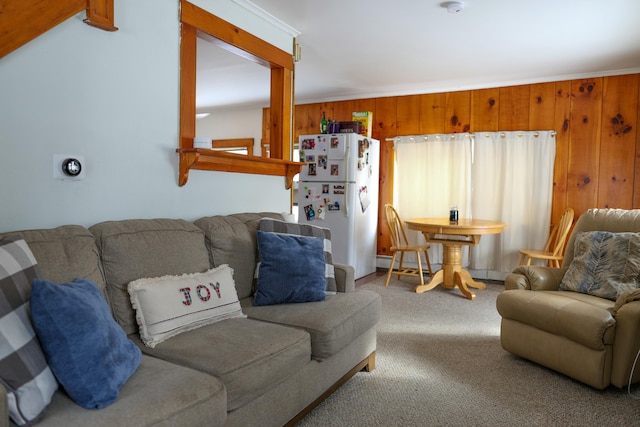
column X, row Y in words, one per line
column 71, row 167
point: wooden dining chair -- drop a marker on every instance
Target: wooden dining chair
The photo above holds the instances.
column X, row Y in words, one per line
column 553, row 251
column 400, row 244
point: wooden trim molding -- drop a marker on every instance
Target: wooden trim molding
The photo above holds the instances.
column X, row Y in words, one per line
column 100, row 14
column 212, row 160
column 198, row 23
column 234, row 144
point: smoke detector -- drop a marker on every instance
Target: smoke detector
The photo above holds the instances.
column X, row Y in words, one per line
column 455, row 6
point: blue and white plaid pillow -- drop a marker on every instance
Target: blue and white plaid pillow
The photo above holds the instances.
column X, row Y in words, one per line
column 24, row 371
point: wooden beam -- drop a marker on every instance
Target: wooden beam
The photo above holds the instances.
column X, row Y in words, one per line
column 23, row 20
column 233, row 38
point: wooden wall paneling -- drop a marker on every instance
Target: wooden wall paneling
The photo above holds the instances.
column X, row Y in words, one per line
column 432, row 109
column 574, row 109
column 367, row 104
column 408, row 116
column 618, row 141
column 584, row 144
column 384, row 124
column 636, row 185
column 542, row 115
column 328, row 109
column 299, row 120
column 542, row 98
column 485, row 110
column 514, row 108
column 457, row 116
column 562, row 126
column 342, row 111
column 306, row 120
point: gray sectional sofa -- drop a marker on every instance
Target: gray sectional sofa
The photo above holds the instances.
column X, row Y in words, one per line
column 268, row 368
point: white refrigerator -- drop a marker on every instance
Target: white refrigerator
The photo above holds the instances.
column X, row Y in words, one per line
column 338, row 189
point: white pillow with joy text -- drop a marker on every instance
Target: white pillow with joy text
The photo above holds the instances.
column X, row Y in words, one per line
column 169, row 305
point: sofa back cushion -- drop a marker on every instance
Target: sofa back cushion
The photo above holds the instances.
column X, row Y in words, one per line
column 65, row 253
column 614, row 220
column 231, row 239
column 141, row 248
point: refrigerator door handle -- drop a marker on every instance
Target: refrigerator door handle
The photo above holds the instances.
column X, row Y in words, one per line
column 346, row 198
column 346, row 176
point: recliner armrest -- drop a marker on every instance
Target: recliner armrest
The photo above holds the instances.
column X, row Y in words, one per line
column 345, row 277
column 535, row 278
column 625, row 298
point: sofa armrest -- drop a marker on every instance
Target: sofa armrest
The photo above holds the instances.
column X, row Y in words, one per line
column 345, row 277
column 4, row 407
column 535, row 278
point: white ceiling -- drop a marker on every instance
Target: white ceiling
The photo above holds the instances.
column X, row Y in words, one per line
column 368, row 48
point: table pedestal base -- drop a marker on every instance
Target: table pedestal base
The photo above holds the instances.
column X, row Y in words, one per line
column 452, row 275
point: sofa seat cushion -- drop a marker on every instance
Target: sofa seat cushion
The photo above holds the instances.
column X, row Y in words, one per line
column 332, row 323
column 582, row 318
column 158, row 394
column 248, row 356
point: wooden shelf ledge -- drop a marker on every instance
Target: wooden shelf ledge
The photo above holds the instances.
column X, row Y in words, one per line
column 213, row 160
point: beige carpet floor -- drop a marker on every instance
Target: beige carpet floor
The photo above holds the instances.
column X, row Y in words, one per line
column 440, row 363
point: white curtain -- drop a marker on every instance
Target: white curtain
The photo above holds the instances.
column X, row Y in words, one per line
column 432, row 174
column 512, row 182
column 505, row 176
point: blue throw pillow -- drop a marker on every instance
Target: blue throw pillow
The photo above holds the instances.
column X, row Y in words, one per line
column 292, row 269
column 90, row 355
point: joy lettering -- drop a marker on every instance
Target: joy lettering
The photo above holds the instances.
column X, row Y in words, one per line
column 202, row 292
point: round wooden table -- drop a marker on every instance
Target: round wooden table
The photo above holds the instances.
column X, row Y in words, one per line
column 453, row 236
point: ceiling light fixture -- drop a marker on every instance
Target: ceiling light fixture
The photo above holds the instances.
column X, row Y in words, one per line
column 455, row 6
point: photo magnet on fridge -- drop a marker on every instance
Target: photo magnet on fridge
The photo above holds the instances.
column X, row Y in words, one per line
column 308, row 143
column 309, row 212
column 322, row 161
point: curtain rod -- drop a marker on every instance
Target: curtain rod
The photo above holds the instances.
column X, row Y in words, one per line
column 502, row 133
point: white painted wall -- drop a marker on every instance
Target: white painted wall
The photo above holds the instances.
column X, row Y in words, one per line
column 113, row 98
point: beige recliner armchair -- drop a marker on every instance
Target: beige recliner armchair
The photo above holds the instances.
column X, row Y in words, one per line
column 592, row 339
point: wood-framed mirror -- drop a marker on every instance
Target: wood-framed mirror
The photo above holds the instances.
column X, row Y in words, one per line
column 198, row 23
